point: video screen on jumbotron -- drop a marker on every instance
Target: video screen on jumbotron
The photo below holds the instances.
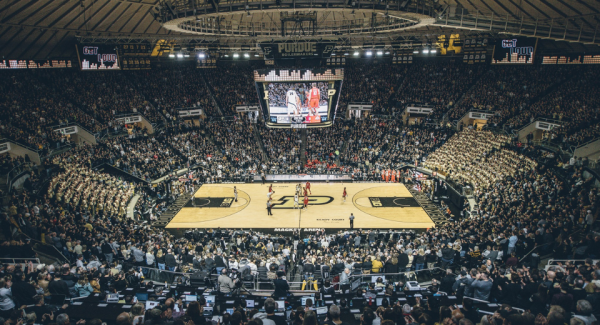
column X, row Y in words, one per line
column 299, row 98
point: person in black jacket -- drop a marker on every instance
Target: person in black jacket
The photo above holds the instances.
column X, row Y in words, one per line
column 281, row 286
column 23, row 292
column 402, row 261
column 58, row 286
column 447, row 255
column 170, row 261
column 447, row 282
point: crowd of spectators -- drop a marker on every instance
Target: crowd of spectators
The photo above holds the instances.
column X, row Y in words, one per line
column 508, row 91
column 436, row 84
column 372, row 83
column 384, row 144
column 574, row 105
column 282, row 148
column 175, row 87
column 325, row 144
column 232, row 85
column 478, row 158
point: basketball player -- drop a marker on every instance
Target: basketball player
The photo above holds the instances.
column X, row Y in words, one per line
column 293, row 102
column 344, row 195
column 270, row 188
column 270, row 194
column 296, row 205
column 305, row 200
column 305, row 191
column 308, row 187
column 235, row 194
column 313, row 100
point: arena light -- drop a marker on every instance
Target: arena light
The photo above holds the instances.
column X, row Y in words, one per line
column 425, row 51
column 415, row 51
column 433, row 51
column 369, row 53
column 171, row 55
column 379, row 52
column 387, row 52
column 246, row 55
column 179, row 55
column 356, row 53
column 235, row 55
column 346, row 53
column 256, row 55
column 226, row 55
column 187, row 55
column 202, row 55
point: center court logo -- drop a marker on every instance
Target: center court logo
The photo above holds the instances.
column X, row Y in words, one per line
column 287, row 202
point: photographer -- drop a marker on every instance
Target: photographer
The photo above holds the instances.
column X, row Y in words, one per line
column 226, row 284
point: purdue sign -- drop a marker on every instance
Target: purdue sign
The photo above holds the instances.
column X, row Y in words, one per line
column 297, row 49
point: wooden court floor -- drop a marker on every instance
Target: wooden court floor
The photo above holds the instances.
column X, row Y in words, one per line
column 374, row 205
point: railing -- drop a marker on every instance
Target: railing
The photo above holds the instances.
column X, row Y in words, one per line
column 564, row 28
column 19, row 260
column 16, row 171
column 259, row 284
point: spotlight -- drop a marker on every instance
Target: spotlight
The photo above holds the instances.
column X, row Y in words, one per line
column 433, row 51
column 387, row 52
column 187, row 55
column 356, row 53
column 171, row 55
column 379, row 53
column 179, row 55
column 246, row 55
column 425, row 51
column 235, row 55
column 369, row 53
column 202, row 55
column 415, row 51
column 226, row 55
column 346, row 53
column 256, row 55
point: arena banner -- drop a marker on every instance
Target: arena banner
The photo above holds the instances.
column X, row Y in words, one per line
column 304, row 177
column 518, row 50
column 298, row 49
column 97, row 57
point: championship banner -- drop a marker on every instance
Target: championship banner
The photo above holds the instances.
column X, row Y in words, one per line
column 283, row 50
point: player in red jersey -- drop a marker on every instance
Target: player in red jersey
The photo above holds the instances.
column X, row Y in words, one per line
column 270, row 188
column 308, row 187
column 305, row 202
column 313, row 99
column 344, row 195
column 305, row 191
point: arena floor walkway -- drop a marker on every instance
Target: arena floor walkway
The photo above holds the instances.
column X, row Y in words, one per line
column 374, row 205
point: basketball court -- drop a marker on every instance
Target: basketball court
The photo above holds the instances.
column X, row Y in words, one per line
column 374, row 205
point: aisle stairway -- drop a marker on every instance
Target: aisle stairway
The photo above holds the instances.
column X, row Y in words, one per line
column 173, row 209
column 261, row 146
column 432, row 210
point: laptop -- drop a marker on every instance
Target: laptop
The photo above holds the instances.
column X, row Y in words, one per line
column 141, row 296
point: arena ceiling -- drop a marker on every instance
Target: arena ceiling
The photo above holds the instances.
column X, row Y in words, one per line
column 40, row 29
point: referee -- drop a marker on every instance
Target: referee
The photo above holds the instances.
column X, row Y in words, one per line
column 269, row 206
column 351, row 221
